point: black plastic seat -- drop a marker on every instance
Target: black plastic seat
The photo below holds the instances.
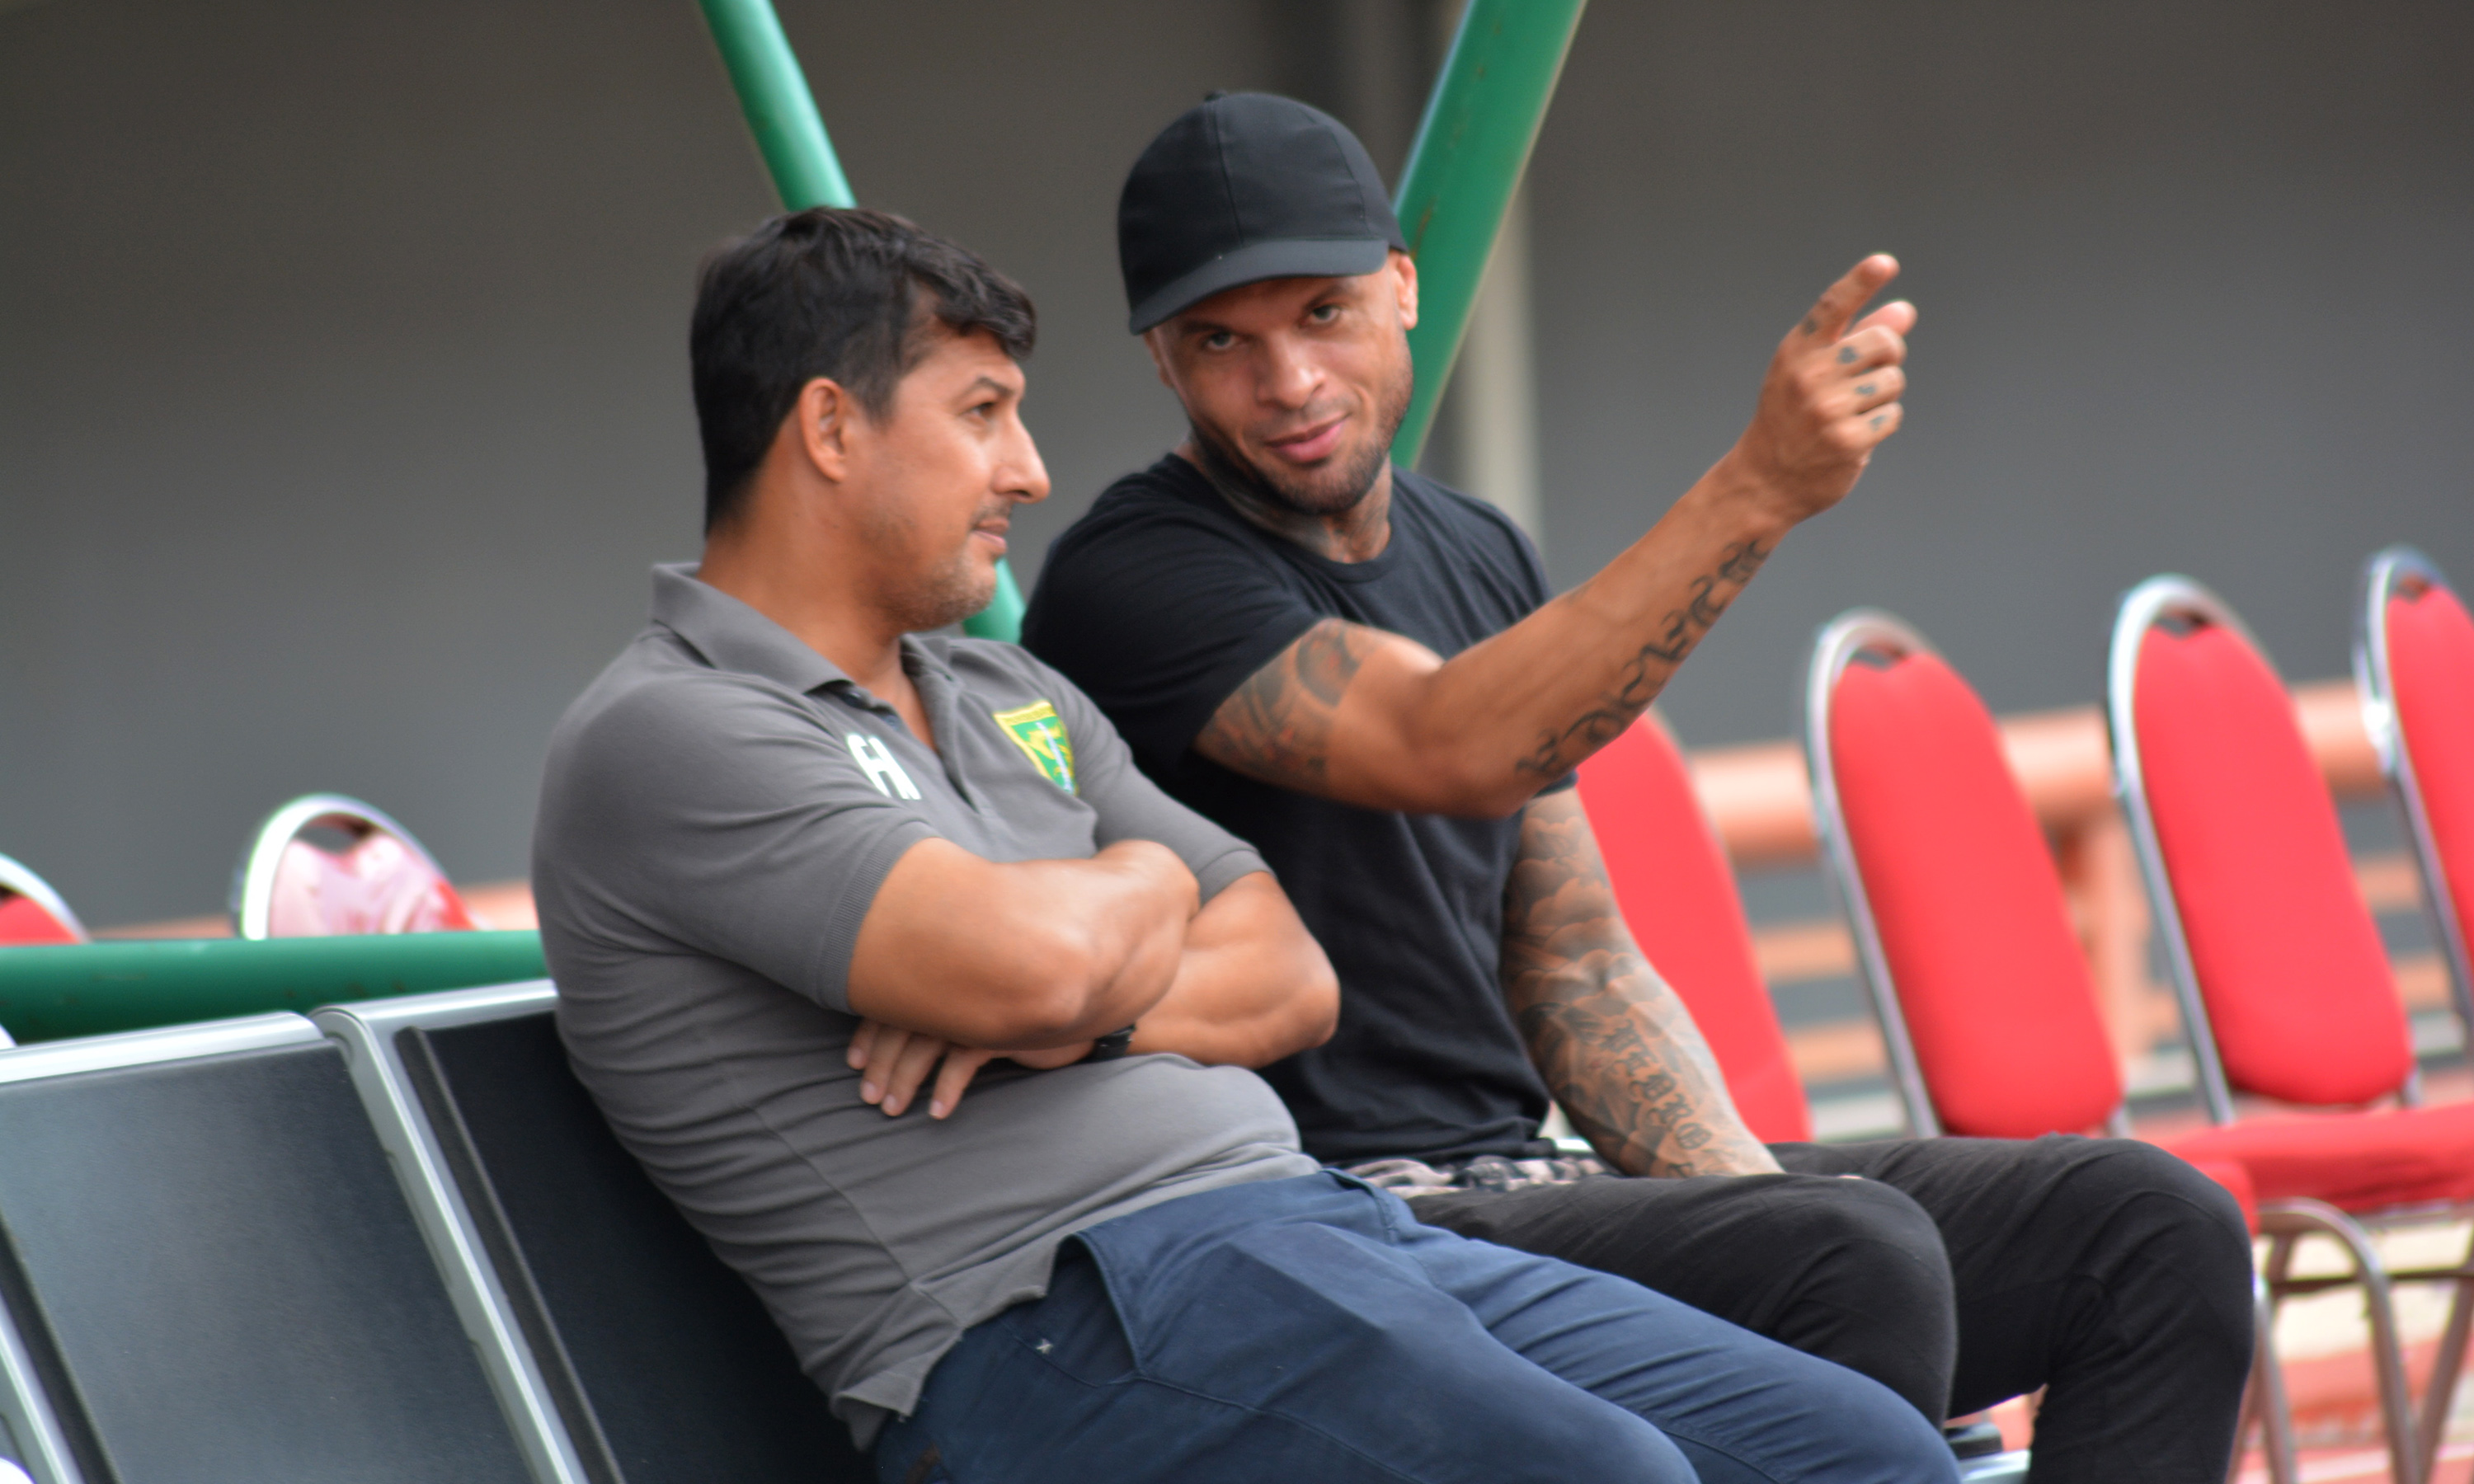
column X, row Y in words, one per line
column 210, row 1272
column 657, row 1361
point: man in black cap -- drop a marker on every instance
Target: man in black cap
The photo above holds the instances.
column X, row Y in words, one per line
column 1362, row 672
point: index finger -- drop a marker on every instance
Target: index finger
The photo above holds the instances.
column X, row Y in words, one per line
column 1838, row 302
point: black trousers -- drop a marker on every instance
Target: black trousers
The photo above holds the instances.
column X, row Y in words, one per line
column 1957, row 1272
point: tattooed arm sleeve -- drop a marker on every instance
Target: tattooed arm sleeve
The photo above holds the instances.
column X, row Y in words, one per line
column 1614, row 1043
column 1378, row 720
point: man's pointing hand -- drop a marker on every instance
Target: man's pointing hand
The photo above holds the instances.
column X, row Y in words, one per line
column 1830, row 396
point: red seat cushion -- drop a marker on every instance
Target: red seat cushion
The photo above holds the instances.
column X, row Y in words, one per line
column 1677, row 896
column 24, row 923
column 2431, row 671
column 1997, row 994
column 2360, row 1161
column 2289, row 960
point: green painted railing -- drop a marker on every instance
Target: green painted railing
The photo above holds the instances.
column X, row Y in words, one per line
column 791, row 134
column 89, row 989
column 1471, row 147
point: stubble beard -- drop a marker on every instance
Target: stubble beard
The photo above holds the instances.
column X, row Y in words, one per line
column 1334, row 489
column 952, row 592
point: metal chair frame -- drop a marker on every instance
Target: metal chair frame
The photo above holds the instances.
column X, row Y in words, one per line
column 253, row 892
column 2402, row 569
column 25, row 1401
column 18, row 879
column 367, row 1030
column 2413, row 1444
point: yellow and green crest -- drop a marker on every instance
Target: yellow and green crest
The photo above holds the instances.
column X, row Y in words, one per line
column 1038, row 732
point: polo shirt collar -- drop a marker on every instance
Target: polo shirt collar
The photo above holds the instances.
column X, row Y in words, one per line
column 731, row 635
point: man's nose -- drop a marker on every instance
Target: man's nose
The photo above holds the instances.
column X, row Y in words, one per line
column 1288, row 376
column 1021, row 475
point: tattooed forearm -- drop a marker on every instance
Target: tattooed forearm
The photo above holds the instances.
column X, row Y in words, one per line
column 1616, row 1047
column 1277, row 725
column 1645, row 673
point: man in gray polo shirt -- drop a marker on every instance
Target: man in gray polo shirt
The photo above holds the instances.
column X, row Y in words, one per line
column 796, row 863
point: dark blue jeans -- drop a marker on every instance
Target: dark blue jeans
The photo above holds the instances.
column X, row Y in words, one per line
column 1311, row 1331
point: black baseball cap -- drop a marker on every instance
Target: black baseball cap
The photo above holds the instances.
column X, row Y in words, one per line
column 1243, row 188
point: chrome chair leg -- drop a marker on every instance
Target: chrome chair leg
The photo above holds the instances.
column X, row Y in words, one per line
column 2300, row 1217
column 2440, row 1396
column 2264, row 1399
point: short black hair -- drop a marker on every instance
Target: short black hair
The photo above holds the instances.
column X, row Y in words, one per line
column 844, row 294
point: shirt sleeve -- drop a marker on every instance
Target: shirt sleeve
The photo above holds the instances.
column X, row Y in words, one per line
column 716, row 815
column 1159, row 617
column 1130, row 807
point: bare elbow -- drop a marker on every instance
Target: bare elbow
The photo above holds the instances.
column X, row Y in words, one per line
column 1054, row 975
column 1311, row 1014
column 1319, row 1009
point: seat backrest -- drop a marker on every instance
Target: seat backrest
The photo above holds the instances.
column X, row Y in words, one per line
column 30, row 912
column 2414, row 659
column 1679, row 898
column 1951, row 890
column 380, row 881
column 659, row 1363
column 210, row 1272
column 2275, row 951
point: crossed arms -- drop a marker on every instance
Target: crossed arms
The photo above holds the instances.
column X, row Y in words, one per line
column 962, row 960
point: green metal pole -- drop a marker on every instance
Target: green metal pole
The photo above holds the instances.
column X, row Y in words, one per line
column 1470, row 150
column 782, row 114
column 89, row 989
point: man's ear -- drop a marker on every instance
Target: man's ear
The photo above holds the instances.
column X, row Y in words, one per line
column 821, row 421
column 1404, row 286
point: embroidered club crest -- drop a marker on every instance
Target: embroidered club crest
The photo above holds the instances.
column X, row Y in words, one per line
column 1040, row 733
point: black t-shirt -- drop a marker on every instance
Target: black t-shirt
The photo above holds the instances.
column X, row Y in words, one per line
column 1159, row 602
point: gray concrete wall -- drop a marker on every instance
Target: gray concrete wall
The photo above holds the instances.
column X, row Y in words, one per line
column 343, row 395
column 2194, row 289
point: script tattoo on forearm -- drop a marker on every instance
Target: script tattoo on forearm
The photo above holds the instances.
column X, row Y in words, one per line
column 1277, row 727
column 1616, row 1046
column 1645, row 673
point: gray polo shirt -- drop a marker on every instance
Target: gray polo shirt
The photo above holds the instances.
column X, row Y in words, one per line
column 718, row 812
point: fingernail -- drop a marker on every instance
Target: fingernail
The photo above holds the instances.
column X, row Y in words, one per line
column 936, row 1110
column 869, row 1092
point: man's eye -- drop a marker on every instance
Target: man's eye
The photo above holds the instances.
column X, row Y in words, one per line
column 1220, row 340
column 1323, row 314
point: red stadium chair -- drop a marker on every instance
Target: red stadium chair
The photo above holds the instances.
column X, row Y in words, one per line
column 2414, row 665
column 1679, row 898
column 1962, row 930
column 379, row 880
column 30, row 912
column 2284, row 983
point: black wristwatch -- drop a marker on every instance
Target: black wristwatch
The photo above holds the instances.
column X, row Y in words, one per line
column 1109, row 1047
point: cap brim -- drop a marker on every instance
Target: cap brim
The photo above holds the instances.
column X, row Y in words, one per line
column 1311, row 258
